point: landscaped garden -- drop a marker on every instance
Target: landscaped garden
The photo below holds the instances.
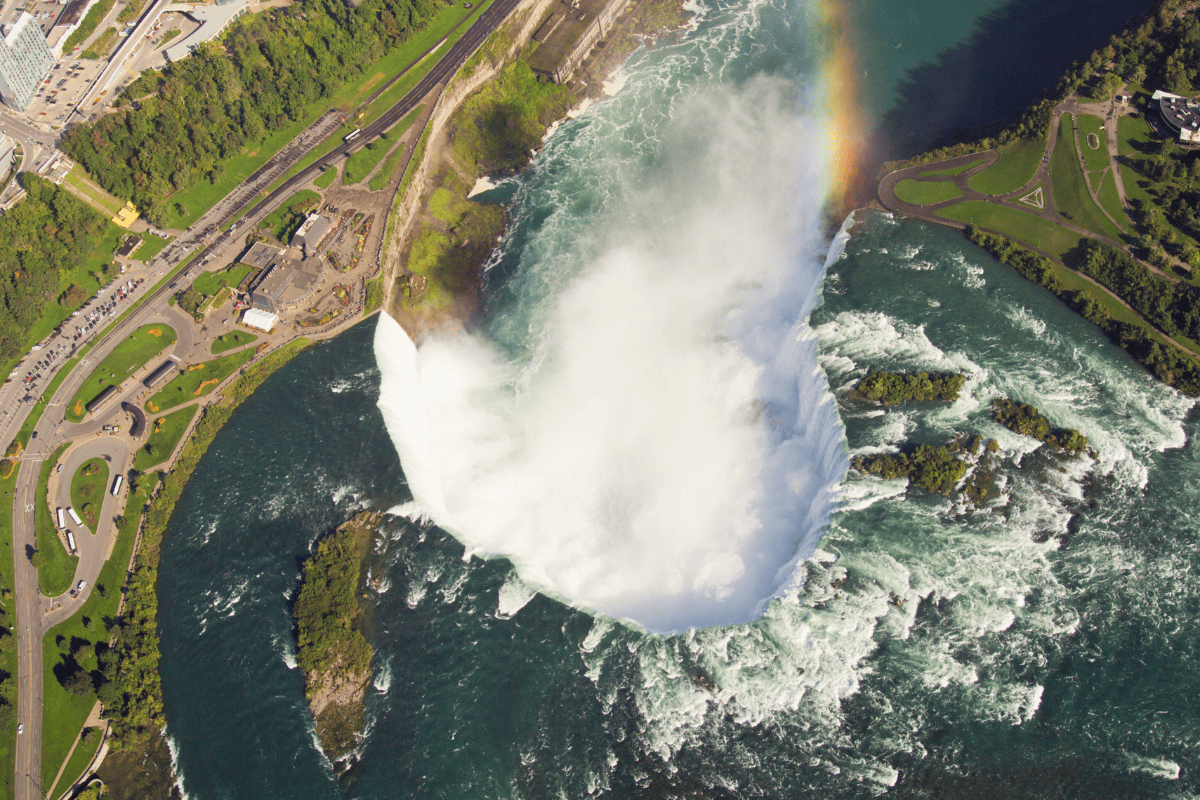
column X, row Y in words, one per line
column 197, row 380
column 165, row 433
column 128, row 357
column 87, row 490
column 232, row 340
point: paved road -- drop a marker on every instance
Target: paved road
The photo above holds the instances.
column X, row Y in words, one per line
column 34, row 615
column 127, row 45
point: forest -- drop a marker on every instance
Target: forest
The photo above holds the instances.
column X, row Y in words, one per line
column 1028, row 421
column 898, row 387
column 42, row 238
column 175, row 128
column 934, row 469
column 327, row 611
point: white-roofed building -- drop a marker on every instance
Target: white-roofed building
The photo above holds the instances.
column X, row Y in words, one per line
column 260, row 319
column 25, row 58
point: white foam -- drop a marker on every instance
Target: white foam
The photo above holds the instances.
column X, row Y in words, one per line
column 513, row 596
column 1159, row 767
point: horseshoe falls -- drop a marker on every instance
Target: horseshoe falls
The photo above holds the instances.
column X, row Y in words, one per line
column 625, row 557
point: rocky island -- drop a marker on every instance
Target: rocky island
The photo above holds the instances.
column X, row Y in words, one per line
column 331, row 647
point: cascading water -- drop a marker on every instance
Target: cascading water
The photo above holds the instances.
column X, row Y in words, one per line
column 661, row 444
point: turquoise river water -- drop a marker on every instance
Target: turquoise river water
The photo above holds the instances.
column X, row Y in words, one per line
column 651, row 426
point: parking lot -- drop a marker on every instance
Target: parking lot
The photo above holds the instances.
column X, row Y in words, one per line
column 44, row 13
column 62, row 88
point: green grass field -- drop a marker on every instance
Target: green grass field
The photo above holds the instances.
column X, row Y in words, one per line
column 65, row 712
column 88, row 487
column 1095, row 158
column 78, row 763
column 1071, row 196
column 101, row 200
column 196, row 381
column 1015, row 167
column 361, row 162
column 959, row 170
column 1133, row 136
column 210, row 283
column 384, row 176
column 8, row 660
column 165, row 433
column 58, row 566
column 1112, row 201
column 232, row 340
column 1025, row 228
column 327, row 177
column 151, row 246
column 125, row 359
column 921, row 193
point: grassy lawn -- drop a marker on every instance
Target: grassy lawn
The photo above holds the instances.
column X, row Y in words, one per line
column 151, row 246
column 1015, row 167
column 128, row 357
column 97, row 197
column 326, row 177
column 1025, row 228
column 1133, row 135
column 79, row 761
column 58, row 566
column 384, row 176
column 65, row 712
column 362, row 161
column 210, row 283
column 1111, row 200
column 197, row 380
column 280, row 220
column 1071, row 197
column 165, row 433
column 231, row 340
column 951, row 170
column 8, row 660
column 1096, row 158
column 921, row 193
column 87, row 490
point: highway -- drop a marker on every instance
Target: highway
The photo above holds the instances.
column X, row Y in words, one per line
column 36, row 613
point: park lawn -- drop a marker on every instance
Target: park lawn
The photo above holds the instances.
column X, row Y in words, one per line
column 959, row 170
column 87, row 490
column 209, row 283
column 1015, row 168
column 362, row 161
column 278, row 220
column 197, row 380
column 921, row 193
column 78, row 763
column 1111, row 200
column 64, row 712
column 1095, row 158
column 1133, row 136
column 231, row 340
column 128, row 357
column 1024, row 228
column 8, row 658
column 384, row 176
column 99, row 199
column 326, row 177
column 1071, row 197
column 165, row 433
column 58, row 566
column 151, row 246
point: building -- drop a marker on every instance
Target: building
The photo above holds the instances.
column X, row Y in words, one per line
column 25, row 58
column 126, row 216
column 569, row 35
column 7, row 151
column 164, row 371
column 261, row 254
column 309, row 235
column 262, row 320
column 1180, row 114
column 213, row 22
column 282, row 282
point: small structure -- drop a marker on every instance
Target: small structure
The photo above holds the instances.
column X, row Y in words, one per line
column 126, row 216
column 570, row 34
column 213, row 22
column 309, row 235
column 259, row 319
column 159, row 375
column 101, row 399
column 7, row 150
column 129, row 246
column 1180, row 114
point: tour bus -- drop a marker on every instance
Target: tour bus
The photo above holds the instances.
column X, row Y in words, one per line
column 71, row 541
column 62, row 519
column 352, row 135
column 116, row 487
column 74, row 517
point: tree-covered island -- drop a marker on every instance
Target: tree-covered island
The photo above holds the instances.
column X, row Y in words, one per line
column 889, row 388
column 1028, row 421
column 331, row 647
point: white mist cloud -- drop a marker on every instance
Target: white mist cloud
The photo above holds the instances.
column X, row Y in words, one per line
column 667, row 452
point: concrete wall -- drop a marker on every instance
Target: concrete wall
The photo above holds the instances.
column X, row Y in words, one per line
column 525, row 17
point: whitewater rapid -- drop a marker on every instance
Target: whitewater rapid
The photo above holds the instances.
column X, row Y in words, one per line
column 664, row 448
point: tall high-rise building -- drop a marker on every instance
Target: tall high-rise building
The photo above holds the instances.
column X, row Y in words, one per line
column 25, row 58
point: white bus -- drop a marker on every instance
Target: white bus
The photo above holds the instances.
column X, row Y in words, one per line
column 352, row 135
column 74, row 517
column 116, row 487
column 62, row 518
column 71, row 542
